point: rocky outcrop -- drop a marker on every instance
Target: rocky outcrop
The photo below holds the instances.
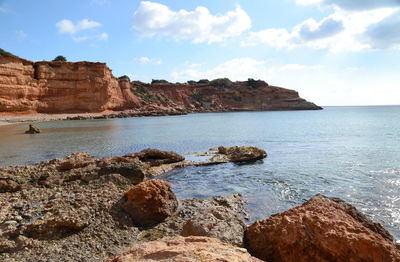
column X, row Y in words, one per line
column 60, row 87
column 184, row 249
column 322, row 229
column 149, row 203
column 218, row 222
column 32, row 130
column 238, row 154
column 65, row 87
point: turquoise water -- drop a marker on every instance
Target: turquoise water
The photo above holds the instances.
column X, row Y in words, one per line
column 347, row 152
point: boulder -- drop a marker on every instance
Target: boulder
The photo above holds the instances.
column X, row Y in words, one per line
column 184, row 249
column 322, row 229
column 156, row 157
column 133, row 169
column 75, row 160
column 238, row 154
column 32, row 130
column 150, row 202
column 218, row 222
column 8, row 185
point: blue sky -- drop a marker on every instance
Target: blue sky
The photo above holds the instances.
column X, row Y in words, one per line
column 334, row 52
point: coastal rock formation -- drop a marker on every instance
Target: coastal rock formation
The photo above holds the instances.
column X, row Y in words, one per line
column 218, row 222
column 65, row 87
column 32, row 130
column 322, row 229
column 184, row 249
column 239, row 154
column 150, row 203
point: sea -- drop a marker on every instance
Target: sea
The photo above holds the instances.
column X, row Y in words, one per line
column 348, row 152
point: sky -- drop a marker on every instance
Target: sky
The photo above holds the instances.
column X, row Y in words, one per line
column 333, row 52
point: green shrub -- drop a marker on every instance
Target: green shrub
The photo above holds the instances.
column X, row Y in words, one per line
column 221, row 82
column 191, row 82
column 237, row 97
column 159, row 81
column 124, row 77
column 60, row 58
column 142, row 92
column 197, row 96
column 5, row 53
column 203, row 81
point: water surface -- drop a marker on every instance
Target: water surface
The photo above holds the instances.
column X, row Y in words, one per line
column 347, row 152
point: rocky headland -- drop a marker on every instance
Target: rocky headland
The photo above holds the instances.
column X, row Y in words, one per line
column 84, row 87
column 80, row 208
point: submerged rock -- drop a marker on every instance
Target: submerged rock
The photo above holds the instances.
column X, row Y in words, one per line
column 322, row 229
column 151, row 202
column 32, row 130
column 184, row 249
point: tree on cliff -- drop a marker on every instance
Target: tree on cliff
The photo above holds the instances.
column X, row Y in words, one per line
column 60, row 58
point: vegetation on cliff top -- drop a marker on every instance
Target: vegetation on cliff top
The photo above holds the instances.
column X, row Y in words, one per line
column 60, row 58
column 5, row 53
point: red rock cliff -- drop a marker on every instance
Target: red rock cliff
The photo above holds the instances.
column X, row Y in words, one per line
column 65, row 87
column 59, row 87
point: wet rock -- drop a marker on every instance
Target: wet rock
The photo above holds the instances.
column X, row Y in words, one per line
column 32, row 130
column 184, row 249
column 156, row 157
column 239, row 153
column 150, row 203
column 219, row 222
column 322, row 229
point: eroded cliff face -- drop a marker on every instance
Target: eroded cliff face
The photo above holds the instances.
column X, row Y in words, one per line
column 65, row 87
column 61, row 87
column 235, row 96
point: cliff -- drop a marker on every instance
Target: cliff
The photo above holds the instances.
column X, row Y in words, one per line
column 65, row 87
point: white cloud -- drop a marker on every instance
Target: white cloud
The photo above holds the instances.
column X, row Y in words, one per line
column 146, row 60
column 199, row 25
column 340, row 31
column 67, row 26
column 308, row 2
column 294, row 67
column 100, row 37
column 21, row 35
column 235, row 69
column 362, row 4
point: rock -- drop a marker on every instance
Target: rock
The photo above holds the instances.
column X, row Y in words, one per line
column 218, row 222
column 184, row 249
column 150, row 202
column 57, row 226
column 75, row 160
column 8, row 185
column 32, row 130
column 156, row 157
column 238, row 154
column 322, row 229
column 133, row 169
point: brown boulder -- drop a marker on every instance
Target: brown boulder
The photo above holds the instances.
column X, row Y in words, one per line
column 238, row 154
column 131, row 168
column 8, row 185
column 32, row 130
column 75, row 160
column 150, row 202
column 322, row 229
column 184, row 249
